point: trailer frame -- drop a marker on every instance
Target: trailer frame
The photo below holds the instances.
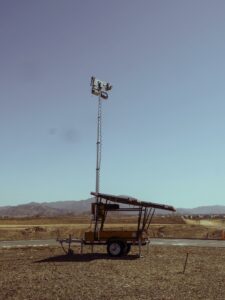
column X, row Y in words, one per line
column 118, row 242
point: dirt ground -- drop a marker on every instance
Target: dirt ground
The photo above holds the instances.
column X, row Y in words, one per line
column 45, row 273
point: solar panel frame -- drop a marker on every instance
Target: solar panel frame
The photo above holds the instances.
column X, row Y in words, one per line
column 132, row 201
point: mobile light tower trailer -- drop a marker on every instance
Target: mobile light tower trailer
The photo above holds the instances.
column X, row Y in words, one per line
column 118, row 242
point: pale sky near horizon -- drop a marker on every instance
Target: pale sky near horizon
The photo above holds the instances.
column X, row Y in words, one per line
column 163, row 125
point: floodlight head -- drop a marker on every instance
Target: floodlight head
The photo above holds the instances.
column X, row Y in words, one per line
column 99, row 88
column 95, row 92
column 104, row 95
column 92, row 80
column 108, row 87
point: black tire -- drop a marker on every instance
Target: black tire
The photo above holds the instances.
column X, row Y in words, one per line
column 115, row 248
column 126, row 249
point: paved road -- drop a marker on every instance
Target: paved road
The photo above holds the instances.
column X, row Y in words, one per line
column 188, row 242
column 163, row 242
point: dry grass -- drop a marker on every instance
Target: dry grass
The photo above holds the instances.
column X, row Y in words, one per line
column 85, row 219
column 46, row 274
column 45, row 228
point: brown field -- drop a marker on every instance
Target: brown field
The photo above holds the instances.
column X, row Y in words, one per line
column 46, row 273
column 43, row 273
column 85, row 219
column 167, row 227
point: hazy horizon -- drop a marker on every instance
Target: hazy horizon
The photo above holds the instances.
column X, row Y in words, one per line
column 77, row 200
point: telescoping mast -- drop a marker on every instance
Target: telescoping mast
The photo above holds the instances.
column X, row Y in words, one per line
column 99, row 88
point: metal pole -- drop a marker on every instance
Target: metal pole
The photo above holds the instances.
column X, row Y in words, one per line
column 185, row 264
column 98, row 162
column 139, row 246
column 98, row 144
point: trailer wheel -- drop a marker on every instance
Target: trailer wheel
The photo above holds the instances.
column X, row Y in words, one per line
column 126, row 249
column 115, row 248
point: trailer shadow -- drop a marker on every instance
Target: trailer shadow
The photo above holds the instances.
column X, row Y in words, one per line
column 87, row 257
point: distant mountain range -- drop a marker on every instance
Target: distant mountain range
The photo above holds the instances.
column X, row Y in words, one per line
column 46, row 209
column 52, row 209
column 203, row 210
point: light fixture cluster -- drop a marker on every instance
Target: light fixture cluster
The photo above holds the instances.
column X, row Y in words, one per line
column 100, row 88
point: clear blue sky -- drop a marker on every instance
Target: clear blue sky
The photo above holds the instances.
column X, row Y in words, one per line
column 163, row 125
